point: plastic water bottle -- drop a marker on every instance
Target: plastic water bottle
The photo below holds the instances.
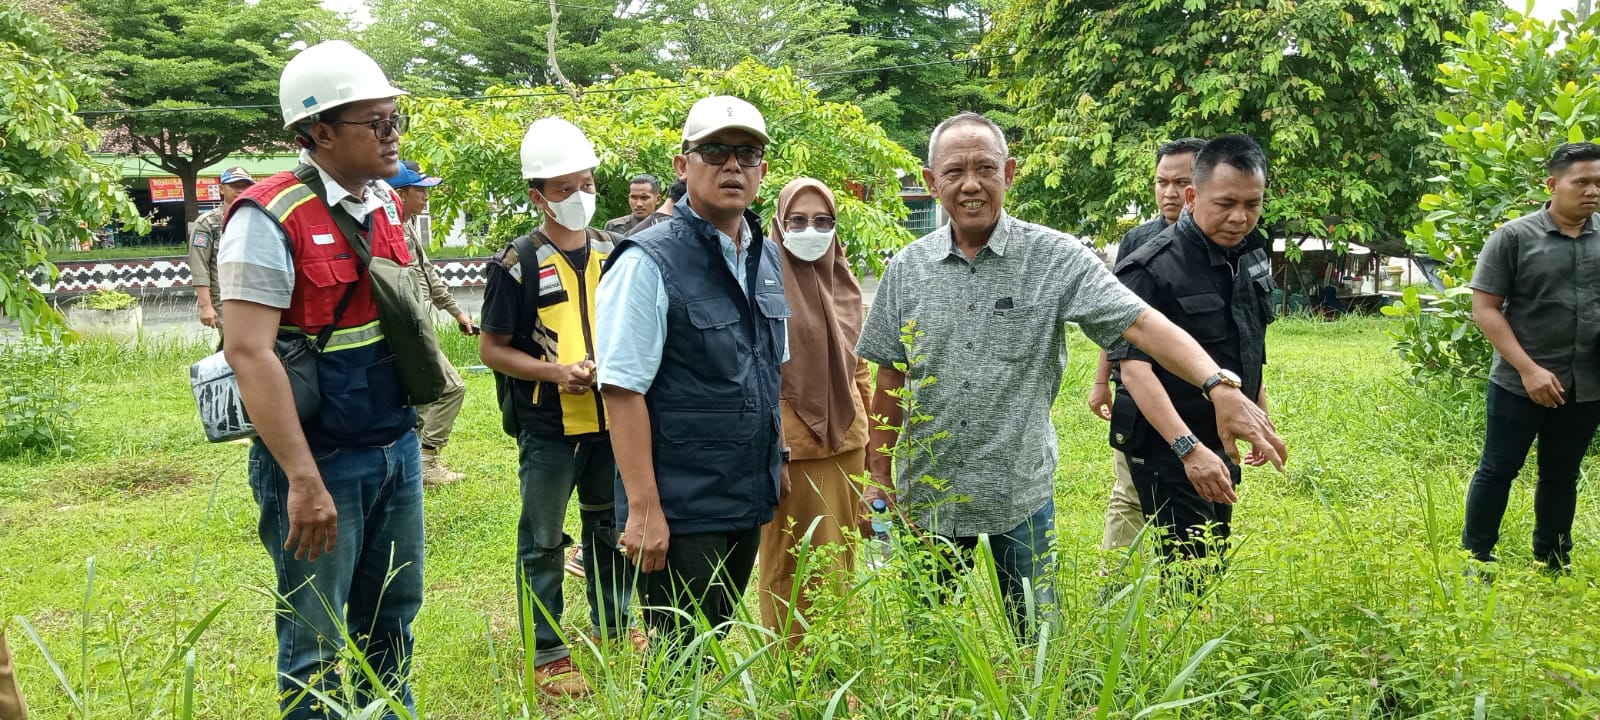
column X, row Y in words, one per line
column 880, row 525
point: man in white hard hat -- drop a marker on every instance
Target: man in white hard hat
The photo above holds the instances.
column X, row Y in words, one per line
column 340, row 492
column 692, row 332
column 203, row 247
column 538, row 337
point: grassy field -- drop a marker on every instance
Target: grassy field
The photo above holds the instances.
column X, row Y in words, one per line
column 119, row 253
column 1345, row 598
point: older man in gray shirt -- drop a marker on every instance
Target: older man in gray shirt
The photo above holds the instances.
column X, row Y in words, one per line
column 990, row 296
column 1536, row 296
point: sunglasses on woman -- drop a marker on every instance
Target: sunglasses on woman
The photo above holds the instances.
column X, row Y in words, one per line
column 796, row 223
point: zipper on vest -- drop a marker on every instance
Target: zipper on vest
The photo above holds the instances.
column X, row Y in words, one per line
column 583, row 321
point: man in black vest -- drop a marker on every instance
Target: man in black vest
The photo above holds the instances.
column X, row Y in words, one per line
column 1209, row 272
column 692, row 329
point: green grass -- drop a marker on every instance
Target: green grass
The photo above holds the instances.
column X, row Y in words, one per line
column 1345, row 598
column 118, row 253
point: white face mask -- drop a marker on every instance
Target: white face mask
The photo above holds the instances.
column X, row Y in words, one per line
column 808, row 244
column 575, row 212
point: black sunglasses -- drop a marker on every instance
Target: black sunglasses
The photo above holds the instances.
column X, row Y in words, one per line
column 796, row 223
column 382, row 127
column 717, row 154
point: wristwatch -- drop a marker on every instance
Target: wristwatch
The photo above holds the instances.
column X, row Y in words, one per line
column 1184, row 445
column 1221, row 377
column 785, row 454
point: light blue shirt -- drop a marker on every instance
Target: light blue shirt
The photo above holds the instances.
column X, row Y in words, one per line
column 631, row 314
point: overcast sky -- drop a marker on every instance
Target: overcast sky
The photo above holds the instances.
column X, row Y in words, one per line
column 1544, row 9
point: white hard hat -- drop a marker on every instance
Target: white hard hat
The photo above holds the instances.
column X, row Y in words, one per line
column 554, row 147
column 327, row 75
column 721, row 112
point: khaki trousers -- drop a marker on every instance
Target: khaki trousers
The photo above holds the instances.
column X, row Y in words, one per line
column 1124, row 514
column 436, row 420
column 12, row 707
column 821, row 491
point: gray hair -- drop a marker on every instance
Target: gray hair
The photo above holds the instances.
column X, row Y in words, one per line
column 966, row 117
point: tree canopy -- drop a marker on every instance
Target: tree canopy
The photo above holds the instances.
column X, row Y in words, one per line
column 51, row 192
column 1339, row 93
column 224, row 55
column 636, row 125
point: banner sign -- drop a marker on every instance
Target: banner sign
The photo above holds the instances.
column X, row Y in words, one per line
column 170, row 190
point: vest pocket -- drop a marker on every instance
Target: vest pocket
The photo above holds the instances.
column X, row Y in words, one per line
column 717, row 322
column 1203, row 317
column 705, row 467
column 326, row 273
column 775, row 311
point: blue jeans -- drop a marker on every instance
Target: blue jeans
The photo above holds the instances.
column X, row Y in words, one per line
column 1564, row 434
column 1025, row 560
column 371, row 581
column 550, row 469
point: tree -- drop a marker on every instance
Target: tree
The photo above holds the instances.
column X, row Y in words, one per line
column 1339, row 93
column 51, row 193
column 1523, row 87
column 170, row 56
column 635, row 123
column 919, row 40
column 451, row 48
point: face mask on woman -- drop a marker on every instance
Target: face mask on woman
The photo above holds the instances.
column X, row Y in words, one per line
column 808, row 244
column 575, row 212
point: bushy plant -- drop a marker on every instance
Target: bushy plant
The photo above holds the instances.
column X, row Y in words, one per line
column 36, row 401
column 109, row 300
column 1522, row 88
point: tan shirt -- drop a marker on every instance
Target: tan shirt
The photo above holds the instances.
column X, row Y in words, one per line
column 203, row 255
column 805, row 446
column 432, row 286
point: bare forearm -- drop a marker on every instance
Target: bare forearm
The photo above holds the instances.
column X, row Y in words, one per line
column 884, row 430
column 630, row 435
column 1102, row 369
column 202, row 295
column 1171, row 347
column 1139, row 377
column 1499, row 333
column 497, row 353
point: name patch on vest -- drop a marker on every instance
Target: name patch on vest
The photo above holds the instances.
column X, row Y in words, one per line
column 549, row 281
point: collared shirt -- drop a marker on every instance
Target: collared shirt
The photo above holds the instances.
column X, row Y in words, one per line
column 1221, row 297
column 1551, row 286
column 992, row 331
column 621, row 225
column 1132, row 239
column 631, row 313
column 254, row 262
column 428, row 279
column 203, row 255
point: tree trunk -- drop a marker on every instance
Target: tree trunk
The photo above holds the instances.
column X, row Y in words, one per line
column 189, row 173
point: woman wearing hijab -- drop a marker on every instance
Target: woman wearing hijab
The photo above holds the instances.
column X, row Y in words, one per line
column 824, row 396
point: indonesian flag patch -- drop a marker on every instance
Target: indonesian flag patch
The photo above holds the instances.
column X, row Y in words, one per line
column 549, row 281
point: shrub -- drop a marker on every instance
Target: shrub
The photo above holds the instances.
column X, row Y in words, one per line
column 36, row 406
column 108, row 300
column 1524, row 88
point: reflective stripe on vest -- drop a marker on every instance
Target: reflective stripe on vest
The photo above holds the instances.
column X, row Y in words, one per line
column 565, row 330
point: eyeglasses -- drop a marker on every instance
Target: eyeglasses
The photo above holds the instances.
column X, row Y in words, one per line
column 717, row 154
column 382, row 127
column 796, row 223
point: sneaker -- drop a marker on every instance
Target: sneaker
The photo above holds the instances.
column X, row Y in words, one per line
column 574, row 566
column 636, row 638
column 560, row 678
column 434, row 473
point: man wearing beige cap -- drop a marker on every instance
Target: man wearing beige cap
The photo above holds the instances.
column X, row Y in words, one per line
column 203, row 248
column 691, row 326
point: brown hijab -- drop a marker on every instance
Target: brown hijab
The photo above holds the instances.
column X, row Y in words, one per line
column 824, row 324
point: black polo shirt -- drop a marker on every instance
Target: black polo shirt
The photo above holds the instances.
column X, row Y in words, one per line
column 1221, row 297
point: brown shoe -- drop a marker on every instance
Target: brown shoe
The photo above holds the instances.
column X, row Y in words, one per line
column 434, row 473
column 560, row 678
column 636, row 639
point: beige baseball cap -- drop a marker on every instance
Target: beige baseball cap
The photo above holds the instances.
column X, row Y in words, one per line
column 722, row 112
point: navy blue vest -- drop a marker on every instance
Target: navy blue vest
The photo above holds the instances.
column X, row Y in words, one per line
column 714, row 402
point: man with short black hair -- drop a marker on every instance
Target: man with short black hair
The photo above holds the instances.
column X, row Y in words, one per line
column 1174, row 174
column 1210, row 273
column 1533, row 295
column 675, row 192
column 991, row 297
column 644, row 194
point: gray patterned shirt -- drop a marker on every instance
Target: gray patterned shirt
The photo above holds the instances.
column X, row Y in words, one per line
column 993, row 335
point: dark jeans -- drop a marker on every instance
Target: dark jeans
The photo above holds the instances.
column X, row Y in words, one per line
column 371, row 581
column 706, row 574
column 550, row 469
column 1564, row 435
column 1024, row 559
column 1192, row 526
